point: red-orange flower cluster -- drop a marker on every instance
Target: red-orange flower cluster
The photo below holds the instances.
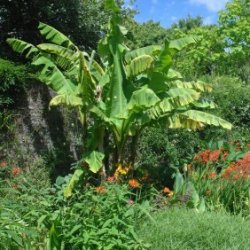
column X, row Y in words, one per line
column 16, row 171
column 239, row 169
column 208, row 156
column 134, row 183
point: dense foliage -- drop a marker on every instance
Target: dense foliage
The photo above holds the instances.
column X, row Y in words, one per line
column 145, row 152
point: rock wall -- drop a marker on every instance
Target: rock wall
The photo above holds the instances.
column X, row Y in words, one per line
column 53, row 133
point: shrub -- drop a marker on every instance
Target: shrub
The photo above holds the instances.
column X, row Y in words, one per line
column 160, row 149
column 233, row 99
column 24, row 198
column 34, row 214
column 12, row 78
column 101, row 217
column 186, row 229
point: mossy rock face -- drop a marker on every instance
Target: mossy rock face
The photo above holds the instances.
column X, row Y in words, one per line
column 186, row 229
column 40, row 131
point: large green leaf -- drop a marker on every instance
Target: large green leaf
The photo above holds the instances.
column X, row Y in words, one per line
column 113, row 49
column 187, row 95
column 116, row 99
column 164, row 60
column 149, row 50
column 53, row 77
column 55, row 36
column 65, row 58
column 206, row 118
column 86, row 85
column 177, row 121
column 173, row 75
column 181, row 43
column 58, row 50
column 157, row 82
column 94, row 160
column 97, row 72
column 167, row 105
column 142, row 99
column 68, row 100
column 139, row 65
column 193, row 119
column 205, row 104
column 21, row 47
column 73, row 181
column 196, row 85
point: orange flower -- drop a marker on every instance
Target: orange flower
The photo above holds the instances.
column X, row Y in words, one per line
column 166, row 190
column 16, row 171
column 3, row 164
column 134, row 183
column 100, row 189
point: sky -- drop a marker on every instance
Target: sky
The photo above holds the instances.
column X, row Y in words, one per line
column 169, row 11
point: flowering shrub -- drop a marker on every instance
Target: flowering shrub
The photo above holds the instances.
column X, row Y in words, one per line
column 223, row 180
column 102, row 217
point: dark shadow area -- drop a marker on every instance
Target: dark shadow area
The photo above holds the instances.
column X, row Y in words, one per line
column 62, row 155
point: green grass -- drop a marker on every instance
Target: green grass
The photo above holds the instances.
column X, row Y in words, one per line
column 186, row 229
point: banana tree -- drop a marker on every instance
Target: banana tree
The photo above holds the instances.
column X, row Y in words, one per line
column 142, row 89
column 117, row 90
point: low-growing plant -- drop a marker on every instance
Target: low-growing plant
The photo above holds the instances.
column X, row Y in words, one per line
column 101, row 217
column 35, row 215
column 24, row 198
